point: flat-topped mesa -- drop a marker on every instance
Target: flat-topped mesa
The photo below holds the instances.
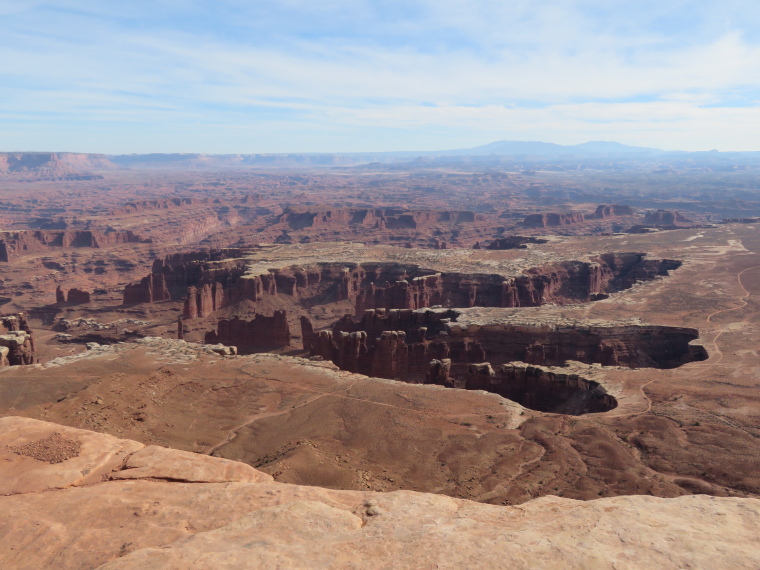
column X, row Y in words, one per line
column 251, row 336
column 665, row 218
column 74, row 297
column 414, row 338
column 605, row 211
column 553, row 219
column 33, row 241
column 562, row 282
column 209, row 281
column 16, row 341
column 148, row 205
column 53, row 165
column 380, row 218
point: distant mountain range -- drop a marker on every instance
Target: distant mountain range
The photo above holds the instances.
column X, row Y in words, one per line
column 537, row 148
column 71, row 166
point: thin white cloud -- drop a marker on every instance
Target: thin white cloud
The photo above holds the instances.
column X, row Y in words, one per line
column 552, row 70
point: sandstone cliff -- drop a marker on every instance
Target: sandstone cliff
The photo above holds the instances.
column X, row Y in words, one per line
column 665, row 218
column 412, row 345
column 209, row 281
column 552, row 220
column 33, row 241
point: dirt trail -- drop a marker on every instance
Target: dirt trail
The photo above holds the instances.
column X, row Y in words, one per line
column 706, row 365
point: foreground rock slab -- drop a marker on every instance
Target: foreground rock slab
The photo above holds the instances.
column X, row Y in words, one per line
column 231, row 516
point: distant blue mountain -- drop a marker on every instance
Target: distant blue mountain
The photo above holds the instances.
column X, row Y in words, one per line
column 537, row 148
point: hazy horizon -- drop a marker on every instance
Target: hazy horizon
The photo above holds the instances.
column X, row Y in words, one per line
column 368, row 76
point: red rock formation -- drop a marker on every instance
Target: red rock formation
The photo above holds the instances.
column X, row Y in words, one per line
column 307, row 333
column 539, row 388
column 33, row 241
column 247, row 336
column 150, row 289
column 383, row 218
column 78, row 297
column 401, row 344
column 665, row 218
column 439, row 372
column 148, row 205
column 207, row 284
column 16, row 342
column 60, row 296
column 550, row 220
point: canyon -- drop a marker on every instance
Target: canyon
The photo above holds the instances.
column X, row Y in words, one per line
column 495, row 336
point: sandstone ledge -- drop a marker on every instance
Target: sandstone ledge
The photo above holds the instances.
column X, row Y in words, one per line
column 248, row 521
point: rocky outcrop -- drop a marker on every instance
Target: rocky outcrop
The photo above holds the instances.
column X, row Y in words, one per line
column 209, row 281
column 560, row 282
column 552, row 220
column 78, row 297
column 74, row 297
column 173, row 276
column 14, row 244
column 118, row 504
column 604, row 211
column 150, row 289
column 552, row 390
column 665, row 218
column 249, row 336
column 307, row 332
column 401, row 344
column 298, row 218
column 151, row 205
column 16, row 341
column 439, row 372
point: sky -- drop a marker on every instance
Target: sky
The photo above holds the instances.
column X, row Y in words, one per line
column 261, row 76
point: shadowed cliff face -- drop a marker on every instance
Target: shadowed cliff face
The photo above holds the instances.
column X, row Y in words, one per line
column 435, row 333
column 210, row 281
column 429, row 347
column 538, row 388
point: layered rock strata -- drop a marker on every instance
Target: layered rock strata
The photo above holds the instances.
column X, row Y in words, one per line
column 379, row 218
column 13, row 244
column 209, row 281
column 429, row 346
column 552, row 219
column 665, row 218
